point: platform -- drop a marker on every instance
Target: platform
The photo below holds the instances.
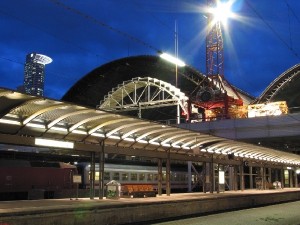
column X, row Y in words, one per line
column 136, row 210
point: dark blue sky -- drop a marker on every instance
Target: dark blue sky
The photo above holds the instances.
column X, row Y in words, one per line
column 84, row 34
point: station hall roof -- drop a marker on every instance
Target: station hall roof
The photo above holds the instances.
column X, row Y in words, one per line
column 284, row 88
column 92, row 87
column 23, row 118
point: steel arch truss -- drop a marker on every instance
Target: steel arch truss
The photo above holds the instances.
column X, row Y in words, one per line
column 142, row 93
column 279, row 83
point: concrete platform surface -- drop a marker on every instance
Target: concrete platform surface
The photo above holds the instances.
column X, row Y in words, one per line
column 279, row 214
column 135, row 210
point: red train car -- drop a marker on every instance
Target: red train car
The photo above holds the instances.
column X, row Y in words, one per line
column 21, row 179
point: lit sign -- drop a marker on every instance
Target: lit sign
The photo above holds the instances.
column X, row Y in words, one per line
column 53, row 143
column 221, row 177
column 269, row 109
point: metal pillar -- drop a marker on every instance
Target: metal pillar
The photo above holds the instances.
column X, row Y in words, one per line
column 92, row 176
column 218, row 185
column 204, row 177
column 262, row 173
column 178, row 112
column 168, row 174
column 212, row 175
column 291, row 178
column 242, row 184
column 251, row 177
column 276, row 175
column 296, row 178
column 189, row 176
column 101, row 171
column 231, row 178
column 282, row 178
column 235, row 178
column 159, row 185
column 270, row 175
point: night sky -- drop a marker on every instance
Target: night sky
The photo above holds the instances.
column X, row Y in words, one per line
column 80, row 35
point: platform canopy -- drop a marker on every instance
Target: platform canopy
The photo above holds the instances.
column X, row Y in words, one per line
column 24, row 119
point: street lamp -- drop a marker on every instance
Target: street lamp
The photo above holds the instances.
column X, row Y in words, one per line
column 179, row 63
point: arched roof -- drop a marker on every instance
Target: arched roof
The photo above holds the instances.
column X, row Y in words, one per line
column 24, row 118
column 284, row 88
column 92, row 88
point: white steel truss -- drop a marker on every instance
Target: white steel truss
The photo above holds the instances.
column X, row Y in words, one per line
column 142, row 93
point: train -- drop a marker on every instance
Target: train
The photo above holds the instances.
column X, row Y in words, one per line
column 23, row 179
column 137, row 174
column 27, row 179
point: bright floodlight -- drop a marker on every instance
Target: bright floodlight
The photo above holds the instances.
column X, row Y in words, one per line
column 172, row 59
column 222, row 11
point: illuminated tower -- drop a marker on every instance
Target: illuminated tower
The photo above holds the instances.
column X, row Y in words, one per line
column 216, row 96
column 34, row 73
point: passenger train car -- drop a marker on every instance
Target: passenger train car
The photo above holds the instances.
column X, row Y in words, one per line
column 136, row 174
column 22, row 179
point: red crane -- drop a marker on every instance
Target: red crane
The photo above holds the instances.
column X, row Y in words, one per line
column 215, row 94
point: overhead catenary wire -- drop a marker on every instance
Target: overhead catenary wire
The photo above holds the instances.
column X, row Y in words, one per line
column 272, row 29
column 100, row 23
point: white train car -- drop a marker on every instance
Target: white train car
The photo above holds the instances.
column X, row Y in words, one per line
column 134, row 174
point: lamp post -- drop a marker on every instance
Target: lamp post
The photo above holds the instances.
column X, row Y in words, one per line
column 178, row 63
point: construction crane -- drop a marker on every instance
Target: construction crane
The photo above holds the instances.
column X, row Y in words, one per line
column 215, row 97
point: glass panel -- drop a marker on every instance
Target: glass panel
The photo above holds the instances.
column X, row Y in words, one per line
column 141, row 177
column 116, row 176
column 133, row 176
column 149, row 177
column 124, row 176
column 106, row 176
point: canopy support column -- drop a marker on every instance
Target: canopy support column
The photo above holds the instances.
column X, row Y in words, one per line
column 101, row 170
column 296, row 178
column 212, row 175
column 270, row 175
column 189, row 176
column 291, row 178
column 218, row 171
column 231, row 178
column 251, row 177
column 159, row 185
column 235, row 178
column 92, row 176
column 242, row 184
column 204, row 177
column 282, row 178
column 168, row 174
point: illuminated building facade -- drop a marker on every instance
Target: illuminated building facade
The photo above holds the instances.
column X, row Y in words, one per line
column 34, row 73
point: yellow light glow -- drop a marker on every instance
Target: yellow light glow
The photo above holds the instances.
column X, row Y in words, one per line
column 222, row 12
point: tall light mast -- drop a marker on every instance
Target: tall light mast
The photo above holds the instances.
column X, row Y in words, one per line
column 212, row 93
column 214, row 46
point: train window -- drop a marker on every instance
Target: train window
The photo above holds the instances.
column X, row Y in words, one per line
column 106, row 176
column 149, row 177
column 173, row 177
column 156, row 177
column 164, row 177
column 124, row 176
column 133, row 176
column 141, row 176
column 97, row 176
column 116, row 176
